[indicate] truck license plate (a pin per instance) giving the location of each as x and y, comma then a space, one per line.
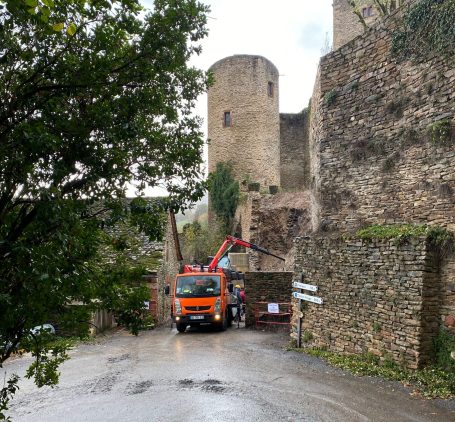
197, 317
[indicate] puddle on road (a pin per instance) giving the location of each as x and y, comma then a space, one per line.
210, 385
139, 387
120, 358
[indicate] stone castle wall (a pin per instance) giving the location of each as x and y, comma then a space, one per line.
251, 143
378, 163
378, 296
294, 165
374, 161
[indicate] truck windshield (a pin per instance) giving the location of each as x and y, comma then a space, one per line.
198, 286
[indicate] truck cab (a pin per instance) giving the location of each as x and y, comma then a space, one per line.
201, 298
202, 294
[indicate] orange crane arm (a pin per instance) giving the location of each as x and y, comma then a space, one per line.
231, 241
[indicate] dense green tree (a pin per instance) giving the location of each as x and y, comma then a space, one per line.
224, 193
94, 94
200, 242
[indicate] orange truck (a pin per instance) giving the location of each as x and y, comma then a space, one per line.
203, 294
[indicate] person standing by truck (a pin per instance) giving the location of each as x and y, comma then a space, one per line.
242, 295
237, 293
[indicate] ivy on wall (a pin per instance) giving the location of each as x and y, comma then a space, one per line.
427, 29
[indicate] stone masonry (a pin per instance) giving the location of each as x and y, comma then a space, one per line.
294, 163
376, 161
379, 296
346, 25
364, 156
247, 88
265, 287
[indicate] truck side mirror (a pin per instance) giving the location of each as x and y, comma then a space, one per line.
167, 289
231, 287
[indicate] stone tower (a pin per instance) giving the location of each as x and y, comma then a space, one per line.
243, 118
346, 25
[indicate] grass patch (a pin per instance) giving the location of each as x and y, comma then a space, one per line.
392, 231
431, 382
439, 238
307, 336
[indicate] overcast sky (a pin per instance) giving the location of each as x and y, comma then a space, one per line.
290, 33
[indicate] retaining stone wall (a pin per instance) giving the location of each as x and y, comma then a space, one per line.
379, 297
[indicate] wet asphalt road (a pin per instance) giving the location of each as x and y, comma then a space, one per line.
238, 375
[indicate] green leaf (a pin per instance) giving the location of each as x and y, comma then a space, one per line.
57, 27
45, 11
32, 11
71, 30
31, 3
49, 3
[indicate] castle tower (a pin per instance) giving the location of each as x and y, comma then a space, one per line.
346, 25
243, 118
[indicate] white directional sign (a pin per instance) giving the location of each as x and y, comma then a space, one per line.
308, 298
304, 286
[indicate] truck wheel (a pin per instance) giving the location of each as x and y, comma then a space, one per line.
224, 323
181, 327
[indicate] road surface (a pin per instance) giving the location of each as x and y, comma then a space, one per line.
237, 375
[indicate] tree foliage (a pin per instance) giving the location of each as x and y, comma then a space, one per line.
200, 242
93, 96
224, 194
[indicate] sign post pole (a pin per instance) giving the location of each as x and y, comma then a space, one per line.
301, 296
299, 326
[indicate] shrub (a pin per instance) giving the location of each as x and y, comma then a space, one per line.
330, 97
440, 132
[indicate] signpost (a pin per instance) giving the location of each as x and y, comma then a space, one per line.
302, 296
304, 286
308, 298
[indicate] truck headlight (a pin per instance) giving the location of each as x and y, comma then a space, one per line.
218, 305
178, 307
